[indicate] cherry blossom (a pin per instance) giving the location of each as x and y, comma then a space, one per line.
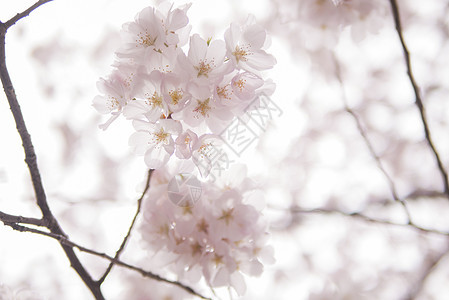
205, 60
155, 141
150, 103
184, 144
118, 89
245, 46
200, 88
219, 238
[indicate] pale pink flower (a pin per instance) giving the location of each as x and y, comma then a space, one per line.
175, 92
245, 85
184, 144
143, 38
154, 141
151, 102
205, 61
205, 151
117, 90
220, 238
175, 23
245, 47
202, 108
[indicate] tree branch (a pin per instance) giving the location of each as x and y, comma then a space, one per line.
418, 101
366, 218
122, 246
368, 143
65, 242
25, 13
31, 160
7, 218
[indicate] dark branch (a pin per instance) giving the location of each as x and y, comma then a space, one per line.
31, 160
418, 101
23, 14
125, 240
366, 218
69, 244
7, 218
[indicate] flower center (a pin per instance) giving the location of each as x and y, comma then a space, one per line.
161, 136
175, 95
227, 215
154, 100
223, 92
204, 68
113, 103
240, 84
240, 53
203, 107
145, 39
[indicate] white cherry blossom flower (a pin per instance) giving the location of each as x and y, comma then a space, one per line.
205, 61
117, 90
184, 144
175, 23
204, 151
175, 92
151, 104
202, 108
144, 37
245, 47
220, 238
154, 141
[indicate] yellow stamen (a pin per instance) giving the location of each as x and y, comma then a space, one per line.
203, 226
223, 92
240, 53
145, 39
240, 84
175, 95
204, 68
154, 100
161, 136
203, 107
227, 215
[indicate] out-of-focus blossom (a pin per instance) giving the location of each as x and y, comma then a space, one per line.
220, 237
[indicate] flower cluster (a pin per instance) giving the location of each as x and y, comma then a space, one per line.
318, 23
219, 238
179, 101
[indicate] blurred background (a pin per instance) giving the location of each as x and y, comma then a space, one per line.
348, 142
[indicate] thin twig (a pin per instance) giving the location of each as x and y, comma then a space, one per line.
25, 13
418, 101
7, 218
125, 240
63, 240
368, 143
366, 218
30, 156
